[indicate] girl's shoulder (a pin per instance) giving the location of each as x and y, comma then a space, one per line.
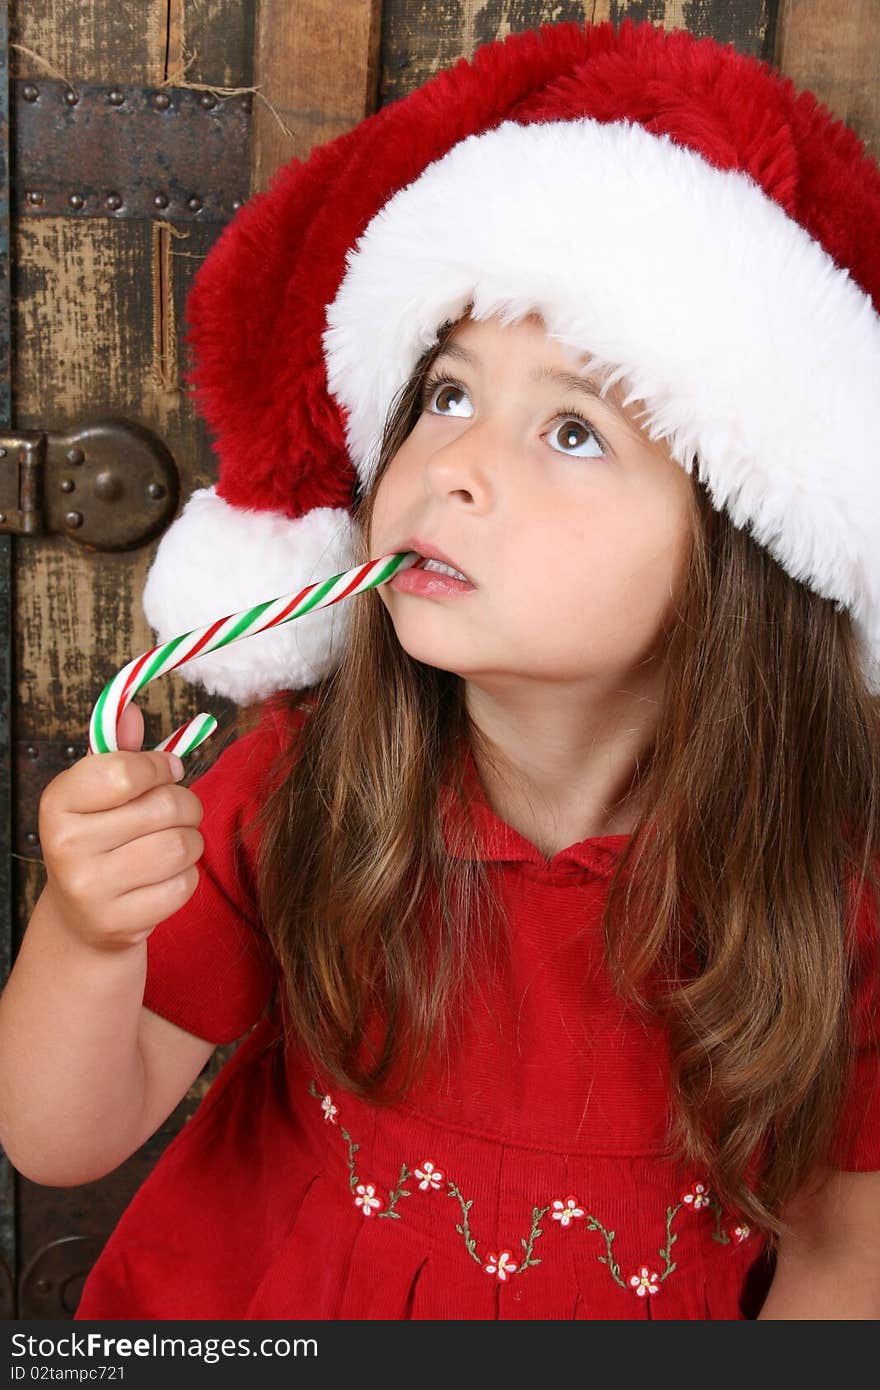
281, 717
245, 764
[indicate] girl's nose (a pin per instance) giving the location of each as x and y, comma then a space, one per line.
469, 461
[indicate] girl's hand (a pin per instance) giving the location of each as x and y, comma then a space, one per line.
119, 841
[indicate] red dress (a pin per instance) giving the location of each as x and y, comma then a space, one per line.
525, 1177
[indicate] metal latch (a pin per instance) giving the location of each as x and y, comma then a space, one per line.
110, 485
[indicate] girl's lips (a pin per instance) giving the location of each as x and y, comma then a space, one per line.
429, 583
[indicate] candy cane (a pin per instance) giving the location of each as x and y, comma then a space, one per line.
150, 665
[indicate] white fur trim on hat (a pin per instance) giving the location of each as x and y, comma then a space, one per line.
751, 349
217, 559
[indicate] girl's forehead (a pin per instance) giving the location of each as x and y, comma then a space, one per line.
546, 346
531, 326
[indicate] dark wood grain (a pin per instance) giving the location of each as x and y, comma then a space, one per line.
317, 63
419, 37
835, 51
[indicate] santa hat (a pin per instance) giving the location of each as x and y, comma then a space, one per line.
672, 208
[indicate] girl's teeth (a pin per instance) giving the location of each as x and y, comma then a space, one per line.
443, 569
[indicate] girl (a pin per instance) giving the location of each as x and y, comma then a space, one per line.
544, 900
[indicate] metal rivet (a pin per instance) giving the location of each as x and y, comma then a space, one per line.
246, 102
32, 838
67, 485
194, 204
32, 752
116, 98
160, 200
113, 200
156, 490
35, 200
237, 203
109, 486
70, 751
76, 200
161, 101
30, 92
71, 97
2, 518
74, 456
2, 453
74, 520
208, 101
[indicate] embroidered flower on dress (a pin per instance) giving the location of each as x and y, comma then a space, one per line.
740, 1233
367, 1198
500, 1265
329, 1109
567, 1211
643, 1282
698, 1198
429, 1176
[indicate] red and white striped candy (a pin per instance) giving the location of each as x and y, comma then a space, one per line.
234, 628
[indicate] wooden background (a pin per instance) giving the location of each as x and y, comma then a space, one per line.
98, 312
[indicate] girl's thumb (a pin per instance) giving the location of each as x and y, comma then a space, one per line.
130, 729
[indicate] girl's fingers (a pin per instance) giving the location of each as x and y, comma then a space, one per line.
151, 905
152, 859
103, 781
130, 729
160, 808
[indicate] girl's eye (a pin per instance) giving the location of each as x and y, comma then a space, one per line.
572, 427
431, 386
574, 431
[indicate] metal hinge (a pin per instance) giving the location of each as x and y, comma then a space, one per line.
109, 485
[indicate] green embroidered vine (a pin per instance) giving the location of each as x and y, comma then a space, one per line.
352, 1150
721, 1236
533, 1236
399, 1191
614, 1268
670, 1241
464, 1230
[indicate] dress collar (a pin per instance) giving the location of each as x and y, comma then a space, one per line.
496, 841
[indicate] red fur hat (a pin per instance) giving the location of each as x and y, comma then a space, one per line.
671, 207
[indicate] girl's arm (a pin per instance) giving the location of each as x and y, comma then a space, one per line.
87, 1074
829, 1266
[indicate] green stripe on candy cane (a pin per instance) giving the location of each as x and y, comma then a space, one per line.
221, 633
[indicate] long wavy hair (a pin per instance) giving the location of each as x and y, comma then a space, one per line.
726, 914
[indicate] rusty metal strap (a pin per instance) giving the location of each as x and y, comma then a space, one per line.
174, 153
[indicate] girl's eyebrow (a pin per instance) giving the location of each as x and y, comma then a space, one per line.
565, 379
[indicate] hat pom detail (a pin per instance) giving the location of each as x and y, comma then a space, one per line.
217, 559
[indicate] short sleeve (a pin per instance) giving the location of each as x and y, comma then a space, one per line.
209, 968
856, 1146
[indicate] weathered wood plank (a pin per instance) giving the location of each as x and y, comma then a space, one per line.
835, 51
93, 40
317, 63
216, 39
418, 39
192, 40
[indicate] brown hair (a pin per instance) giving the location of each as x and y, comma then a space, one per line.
767, 752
